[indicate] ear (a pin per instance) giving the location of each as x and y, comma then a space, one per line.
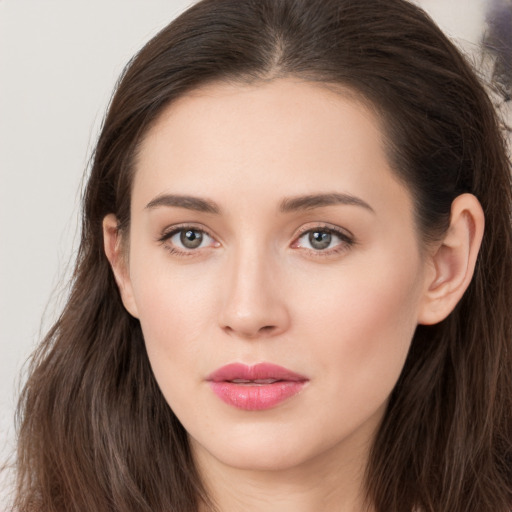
119, 262
453, 261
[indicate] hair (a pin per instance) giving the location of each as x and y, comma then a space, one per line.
95, 432
497, 41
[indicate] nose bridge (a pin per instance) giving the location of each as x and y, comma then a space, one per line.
253, 305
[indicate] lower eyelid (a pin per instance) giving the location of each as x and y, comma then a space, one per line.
177, 249
346, 240
345, 243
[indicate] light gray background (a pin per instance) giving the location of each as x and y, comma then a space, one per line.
59, 61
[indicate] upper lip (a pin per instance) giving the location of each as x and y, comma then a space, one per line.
258, 372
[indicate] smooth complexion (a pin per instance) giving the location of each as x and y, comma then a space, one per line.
268, 227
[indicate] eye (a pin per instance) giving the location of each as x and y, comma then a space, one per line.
187, 239
323, 239
319, 240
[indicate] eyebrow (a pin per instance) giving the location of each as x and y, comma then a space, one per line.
289, 204
312, 201
188, 202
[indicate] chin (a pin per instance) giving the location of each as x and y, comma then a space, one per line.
256, 458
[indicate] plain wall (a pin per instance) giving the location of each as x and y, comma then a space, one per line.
59, 61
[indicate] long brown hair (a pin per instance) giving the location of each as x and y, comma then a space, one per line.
95, 433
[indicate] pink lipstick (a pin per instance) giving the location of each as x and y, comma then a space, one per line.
255, 388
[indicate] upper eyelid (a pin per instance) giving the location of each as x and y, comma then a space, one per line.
171, 231
347, 240
343, 232
176, 228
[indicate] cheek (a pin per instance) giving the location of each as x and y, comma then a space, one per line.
168, 307
362, 331
175, 309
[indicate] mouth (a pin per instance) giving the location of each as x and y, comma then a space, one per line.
255, 382
255, 388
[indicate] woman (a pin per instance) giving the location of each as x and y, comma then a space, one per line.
284, 297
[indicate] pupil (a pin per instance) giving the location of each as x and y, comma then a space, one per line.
320, 239
191, 239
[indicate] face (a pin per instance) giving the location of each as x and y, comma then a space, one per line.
275, 268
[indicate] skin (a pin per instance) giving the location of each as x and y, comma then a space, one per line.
256, 290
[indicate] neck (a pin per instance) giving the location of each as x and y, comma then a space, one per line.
329, 482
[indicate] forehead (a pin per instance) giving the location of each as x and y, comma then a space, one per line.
261, 110
283, 137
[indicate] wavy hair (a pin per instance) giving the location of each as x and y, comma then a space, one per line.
95, 433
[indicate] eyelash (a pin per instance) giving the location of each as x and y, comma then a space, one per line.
167, 235
346, 240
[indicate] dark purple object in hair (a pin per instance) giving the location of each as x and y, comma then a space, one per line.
498, 41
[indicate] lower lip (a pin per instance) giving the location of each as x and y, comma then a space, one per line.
256, 397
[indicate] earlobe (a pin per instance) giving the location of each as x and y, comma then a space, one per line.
453, 261
114, 252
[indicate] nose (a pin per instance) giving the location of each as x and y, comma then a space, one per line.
254, 303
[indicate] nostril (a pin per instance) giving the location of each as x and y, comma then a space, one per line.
249, 333
248, 313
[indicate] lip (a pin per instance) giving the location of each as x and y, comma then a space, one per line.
255, 388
